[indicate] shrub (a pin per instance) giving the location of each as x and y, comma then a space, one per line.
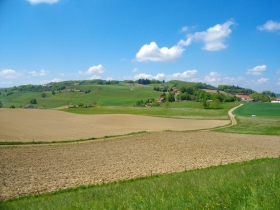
1, 105
44, 95
12, 107
33, 101
80, 104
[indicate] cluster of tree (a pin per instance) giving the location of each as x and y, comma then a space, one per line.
147, 81
260, 97
216, 104
10, 93
87, 91
269, 93
235, 89
162, 88
1, 104
179, 84
150, 102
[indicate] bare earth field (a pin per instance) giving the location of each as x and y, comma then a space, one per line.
52, 125
44, 168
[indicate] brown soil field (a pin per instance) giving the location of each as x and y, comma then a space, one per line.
52, 125
44, 168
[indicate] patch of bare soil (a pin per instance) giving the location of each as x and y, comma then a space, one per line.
53, 125
35, 169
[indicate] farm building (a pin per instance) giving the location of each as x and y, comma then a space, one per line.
29, 106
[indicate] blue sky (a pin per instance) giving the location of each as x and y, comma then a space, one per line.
214, 42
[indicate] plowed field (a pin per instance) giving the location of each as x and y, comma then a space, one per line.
53, 125
44, 168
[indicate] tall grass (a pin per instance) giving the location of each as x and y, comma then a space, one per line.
249, 185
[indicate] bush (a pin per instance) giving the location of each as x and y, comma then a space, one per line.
1, 105
44, 95
33, 101
12, 107
80, 104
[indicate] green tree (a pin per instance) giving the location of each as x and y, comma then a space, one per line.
53, 92
170, 97
1, 105
80, 104
44, 95
206, 104
33, 101
12, 107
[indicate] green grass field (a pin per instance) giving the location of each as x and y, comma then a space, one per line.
259, 109
247, 185
266, 121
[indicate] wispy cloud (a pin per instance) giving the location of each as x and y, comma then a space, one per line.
151, 52
95, 77
213, 38
40, 73
212, 77
270, 26
257, 70
93, 70
42, 1
135, 70
278, 71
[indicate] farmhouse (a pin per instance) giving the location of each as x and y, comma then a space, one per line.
29, 106
160, 100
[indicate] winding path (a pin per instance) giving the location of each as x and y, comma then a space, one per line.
231, 116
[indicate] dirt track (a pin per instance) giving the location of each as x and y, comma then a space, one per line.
53, 125
33, 169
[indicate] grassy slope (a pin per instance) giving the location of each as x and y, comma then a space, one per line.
109, 95
266, 121
248, 185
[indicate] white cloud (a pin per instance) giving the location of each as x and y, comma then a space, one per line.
269, 26
263, 80
160, 76
213, 37
109, 79
278, 71
95, 77
257, 70
40, 73
185, 74
151, 52
278, 82
6, 82
135, 70
213, 77
48, 81
9, 73
62, 74
42, 1
93, 70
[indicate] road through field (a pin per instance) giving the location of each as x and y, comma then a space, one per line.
52, 125
45, 168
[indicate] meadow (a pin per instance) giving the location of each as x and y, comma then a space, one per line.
248, 185
265, 119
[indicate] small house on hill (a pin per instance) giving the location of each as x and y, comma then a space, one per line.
29, 106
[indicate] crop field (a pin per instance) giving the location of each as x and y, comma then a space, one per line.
36, 169
23, 125
259, 109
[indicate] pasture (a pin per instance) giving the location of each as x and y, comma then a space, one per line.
266, 121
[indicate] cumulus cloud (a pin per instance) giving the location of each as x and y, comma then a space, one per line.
42, 1
263, 80
93, 70
135, 70
95, 77
151, 52
9, 74
269, 26
213, 37
257, 70
40, 73
143, 76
